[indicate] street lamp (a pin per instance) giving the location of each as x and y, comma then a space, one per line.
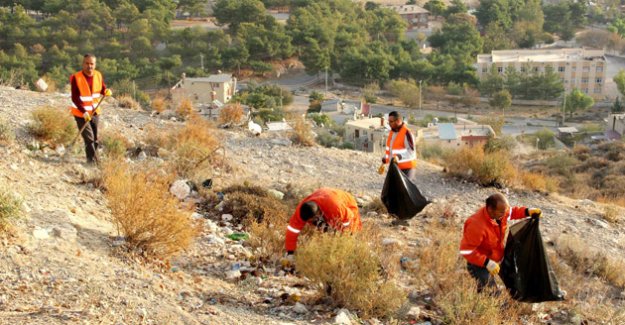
537, 141
420, 81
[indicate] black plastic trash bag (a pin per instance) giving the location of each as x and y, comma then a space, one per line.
525, 269
400, 195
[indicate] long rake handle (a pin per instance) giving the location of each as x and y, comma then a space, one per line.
85, 125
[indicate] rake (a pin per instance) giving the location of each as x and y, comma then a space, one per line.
70, 147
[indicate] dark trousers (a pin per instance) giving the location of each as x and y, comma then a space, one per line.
484, 279
411, 173
90, 137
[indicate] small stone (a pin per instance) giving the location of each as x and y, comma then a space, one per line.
226, 217
342, 318
141, 312
233, 275
390, 241
41, 233
275, 193
180, 189
214, 239
14, 167
299, 308
65, 231
414, 312
142, 156
372, 214
197, 216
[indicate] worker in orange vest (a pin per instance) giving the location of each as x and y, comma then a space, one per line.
484, 234
326, 209
400, 145
87, 90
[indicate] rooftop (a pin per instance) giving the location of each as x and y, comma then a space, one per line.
542, 55
224, 77
408, 9
365, 123
449, 131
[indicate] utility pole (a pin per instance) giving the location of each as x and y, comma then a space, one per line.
134, 90
202, 61
564, 108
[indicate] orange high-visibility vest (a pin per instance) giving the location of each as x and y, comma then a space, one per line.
88, 97
408, 159
483, 238
339, 208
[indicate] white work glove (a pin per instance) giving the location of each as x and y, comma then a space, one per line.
492, 267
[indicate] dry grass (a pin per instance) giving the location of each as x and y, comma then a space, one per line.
10, 207
302, 133
264, 217
349, 269
539, 182
145, 212
443, 272
159, 104
6, 132
591, 262
484, 168
115, 144
53, 126
612, 214
185, 109
194, 146
125, 101
231, 114
376, 205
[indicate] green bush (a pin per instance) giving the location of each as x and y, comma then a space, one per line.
321, 119
505, 143
328, 140
546, 139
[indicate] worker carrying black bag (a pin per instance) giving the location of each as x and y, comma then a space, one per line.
400, 195
525, 269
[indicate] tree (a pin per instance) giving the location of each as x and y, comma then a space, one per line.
577, 100
618, 107
501, 100
492, 83
406, 90
495, 38
235, 12
498, 11
458, 37
436, 7
457, 7
619, 80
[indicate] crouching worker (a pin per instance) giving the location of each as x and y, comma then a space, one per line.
326, 209
484, 237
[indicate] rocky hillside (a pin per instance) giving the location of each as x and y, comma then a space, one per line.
62, 264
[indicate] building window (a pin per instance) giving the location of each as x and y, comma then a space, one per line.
574, 69
357, 134
584, 80
585, 69
500, 69
585, 90
535, 69
561, 69
523, 69
597, 90
599, 80
599, 69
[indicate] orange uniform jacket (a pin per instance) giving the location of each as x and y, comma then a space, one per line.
483, 237
399, 146
339, 209
89, 97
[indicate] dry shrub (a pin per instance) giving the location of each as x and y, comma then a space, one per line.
582, 152
590, 261
53, 126
302, 133
115, 144
443, 272
231, 114
145, 212
376, 205
125, 101
185, 109
347, 267
10, 207
193, 145
539, 182
159, 104
6, 132
264, 217
612, 214
487, 169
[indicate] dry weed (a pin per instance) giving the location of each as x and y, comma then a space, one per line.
231, 114
592, 262
6, 132
194, 146
53, 126
145, 212
376, 205
159, 104
115, 144
125, 101
10, 207
185, 109
539, 182
348, 268
487, 169
612, 214
302, 133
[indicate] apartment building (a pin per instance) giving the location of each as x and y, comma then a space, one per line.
580, 68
